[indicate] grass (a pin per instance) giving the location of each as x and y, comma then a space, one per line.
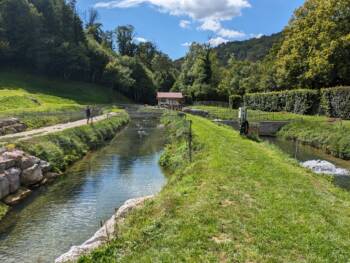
39, 101
62, 149
332, 138
3, 210
239, 201
254, 115
317, 131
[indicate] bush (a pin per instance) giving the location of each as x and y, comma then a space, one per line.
335, 102
296, 101
235, 101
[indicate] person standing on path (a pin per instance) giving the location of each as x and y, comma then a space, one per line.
88, 114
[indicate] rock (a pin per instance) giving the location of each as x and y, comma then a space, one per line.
28, 161
51, 175
4, 186
13, 177
15, 155
19, 127
6, 163
31, 176
103, 234
45, 166
17, 197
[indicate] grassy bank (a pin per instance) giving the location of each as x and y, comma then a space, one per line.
317, 131
62, 149
255, 115
40, 101
333, 138
239, 201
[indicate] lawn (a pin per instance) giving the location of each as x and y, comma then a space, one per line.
39, 101
238, 201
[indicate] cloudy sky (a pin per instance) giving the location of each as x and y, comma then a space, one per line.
174, 24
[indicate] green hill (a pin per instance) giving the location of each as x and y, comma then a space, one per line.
252, 50
40, 101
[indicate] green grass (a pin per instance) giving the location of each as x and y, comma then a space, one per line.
64, 148
254, 115
239, 201
317, 131
39, 101
3, 210
332, 138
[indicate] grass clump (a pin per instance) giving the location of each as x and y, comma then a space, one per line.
64, 148
238, 201
3, 210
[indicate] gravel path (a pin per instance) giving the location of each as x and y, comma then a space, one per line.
52, 129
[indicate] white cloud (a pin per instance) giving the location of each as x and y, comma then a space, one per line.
186, 44
196, 9
141, 39
209, 13
185, 23
217, 41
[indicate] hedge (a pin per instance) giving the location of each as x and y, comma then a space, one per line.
335, 102
297, 101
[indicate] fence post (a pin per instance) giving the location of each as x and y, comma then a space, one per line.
190, 141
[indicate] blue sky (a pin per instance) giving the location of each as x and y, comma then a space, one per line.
173, 24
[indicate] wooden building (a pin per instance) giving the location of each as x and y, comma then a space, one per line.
170, 100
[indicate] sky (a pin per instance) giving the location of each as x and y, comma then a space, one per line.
174, 24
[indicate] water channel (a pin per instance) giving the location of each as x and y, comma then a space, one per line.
69, 211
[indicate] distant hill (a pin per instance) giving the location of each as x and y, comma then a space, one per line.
252, 50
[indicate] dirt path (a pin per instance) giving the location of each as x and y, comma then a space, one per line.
52, 129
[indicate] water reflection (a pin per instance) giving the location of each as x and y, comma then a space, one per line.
69, 211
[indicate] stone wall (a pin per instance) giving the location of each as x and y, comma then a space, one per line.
20, 173
11, 125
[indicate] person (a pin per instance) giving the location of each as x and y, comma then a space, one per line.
88, 114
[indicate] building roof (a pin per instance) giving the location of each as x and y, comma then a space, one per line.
169, 95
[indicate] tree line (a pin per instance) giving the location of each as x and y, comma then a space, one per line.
50, 38
313, 52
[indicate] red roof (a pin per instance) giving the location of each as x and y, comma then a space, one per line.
169, 95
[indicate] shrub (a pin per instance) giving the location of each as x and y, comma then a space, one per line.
235, 101
335, 102
296, 101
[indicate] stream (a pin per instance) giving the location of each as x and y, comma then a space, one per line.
69, 211
308, 154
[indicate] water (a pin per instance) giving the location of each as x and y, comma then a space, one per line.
69, 211
309, 156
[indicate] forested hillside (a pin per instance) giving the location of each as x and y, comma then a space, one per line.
49, 38
313, 52
253, 50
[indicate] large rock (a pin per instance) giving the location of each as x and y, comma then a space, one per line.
32, 175
104, 234
4, 186
28, 161
17, 197
6, 164
13, 177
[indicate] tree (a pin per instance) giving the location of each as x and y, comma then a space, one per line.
314, 52
125, 40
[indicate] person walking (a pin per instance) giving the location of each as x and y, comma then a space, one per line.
88, 114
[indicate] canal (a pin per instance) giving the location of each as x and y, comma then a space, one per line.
69, 211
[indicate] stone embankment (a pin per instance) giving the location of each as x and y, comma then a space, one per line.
11, 126
20, 173
104, 234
